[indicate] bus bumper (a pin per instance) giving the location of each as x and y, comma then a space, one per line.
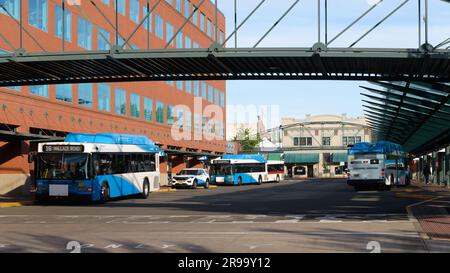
78, 197
368, 182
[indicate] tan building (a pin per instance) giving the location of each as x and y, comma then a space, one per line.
316, 146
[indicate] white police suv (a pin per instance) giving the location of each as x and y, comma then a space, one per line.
191, 178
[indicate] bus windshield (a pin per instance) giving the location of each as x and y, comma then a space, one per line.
221, 169
63, 166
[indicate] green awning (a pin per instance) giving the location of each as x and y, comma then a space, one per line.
274, 156
339, 157
295, 158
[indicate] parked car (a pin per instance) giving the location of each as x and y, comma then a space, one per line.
191, 178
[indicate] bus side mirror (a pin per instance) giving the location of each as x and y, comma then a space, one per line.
31, 156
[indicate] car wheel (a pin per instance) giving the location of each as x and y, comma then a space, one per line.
104, 193
145, 189
240, 181
194, 184
206, 184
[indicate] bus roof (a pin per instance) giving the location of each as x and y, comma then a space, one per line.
380, 147
109, 138
258, 158
106, 142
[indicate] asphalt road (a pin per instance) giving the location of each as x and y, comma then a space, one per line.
292, 216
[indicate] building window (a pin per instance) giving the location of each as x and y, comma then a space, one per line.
350, 140
326, 141
159, 25
121, 101
134, 11
84, 34
187, 42
148, 24
64, 92
148, 109
39, 90
221, 37
188, 87
170, 114
178, 6
121, 6
13, 7
169, 33
216, 96
180, 40
209, 28
210, 94
187, 8
160, 112
85, 94
196, 88
38, 13
204, 91
179, 85
103, 39
195, 16
135, 105
104, 97
197, 124
302, 141
222, 99
59, 23
202, 22
196, 45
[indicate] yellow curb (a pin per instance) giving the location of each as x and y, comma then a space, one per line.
14, 204
165, 190
213, 186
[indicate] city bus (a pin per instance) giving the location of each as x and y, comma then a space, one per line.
275, 170
382, 165
239, 170
96, 167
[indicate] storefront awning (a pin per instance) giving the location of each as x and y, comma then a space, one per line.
339, 157
295, 158
274, 156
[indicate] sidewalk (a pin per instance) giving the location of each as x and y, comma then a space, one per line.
433, 212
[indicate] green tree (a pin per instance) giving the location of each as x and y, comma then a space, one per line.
247, 142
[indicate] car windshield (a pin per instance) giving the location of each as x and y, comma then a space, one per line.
189, 172
63, 166
221, 169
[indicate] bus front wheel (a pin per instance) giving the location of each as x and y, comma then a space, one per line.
278, 179
240, 181
259, 180
104, 192
145, 189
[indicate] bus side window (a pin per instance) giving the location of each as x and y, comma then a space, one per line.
141, 162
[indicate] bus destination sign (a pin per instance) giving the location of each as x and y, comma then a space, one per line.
63, 148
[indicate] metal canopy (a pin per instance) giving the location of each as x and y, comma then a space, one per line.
414, 114
225, 64
11, 136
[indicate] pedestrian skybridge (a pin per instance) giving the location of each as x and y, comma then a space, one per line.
225, 64
327, 56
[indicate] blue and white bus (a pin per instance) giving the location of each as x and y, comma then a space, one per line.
382, 164
97, 167
239, 170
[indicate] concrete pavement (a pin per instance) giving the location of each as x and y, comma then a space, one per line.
292, 216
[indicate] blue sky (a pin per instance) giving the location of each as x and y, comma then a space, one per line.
299, 29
